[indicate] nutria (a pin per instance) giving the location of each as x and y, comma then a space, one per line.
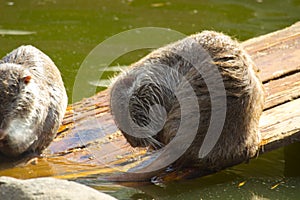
33, 101
156, 81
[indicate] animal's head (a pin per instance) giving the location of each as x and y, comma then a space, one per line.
139, 108
15, 101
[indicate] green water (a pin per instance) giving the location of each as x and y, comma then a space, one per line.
68, 30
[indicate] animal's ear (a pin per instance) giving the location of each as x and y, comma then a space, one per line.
26, 79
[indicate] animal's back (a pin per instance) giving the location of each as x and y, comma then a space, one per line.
164, 76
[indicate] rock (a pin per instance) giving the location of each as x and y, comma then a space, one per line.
47, 188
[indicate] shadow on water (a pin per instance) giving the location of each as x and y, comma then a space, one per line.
224, 185
292, 160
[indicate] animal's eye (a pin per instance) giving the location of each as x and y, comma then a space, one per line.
13, 86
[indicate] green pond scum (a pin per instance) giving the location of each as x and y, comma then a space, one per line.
67, 30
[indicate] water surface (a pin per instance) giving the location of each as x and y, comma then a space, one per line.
68, 30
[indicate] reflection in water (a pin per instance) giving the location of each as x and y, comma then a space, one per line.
27, 168
218, 186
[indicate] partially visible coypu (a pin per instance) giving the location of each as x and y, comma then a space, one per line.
161, 77
33, 101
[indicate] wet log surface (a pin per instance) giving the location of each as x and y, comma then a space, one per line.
89, 143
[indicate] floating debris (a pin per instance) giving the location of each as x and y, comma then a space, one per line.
156, 5
276, 185
15, 32
241, 184
101, 83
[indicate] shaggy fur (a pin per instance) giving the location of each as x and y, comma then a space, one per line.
157, 80
33, 101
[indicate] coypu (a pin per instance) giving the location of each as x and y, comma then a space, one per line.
137, 95
33, 101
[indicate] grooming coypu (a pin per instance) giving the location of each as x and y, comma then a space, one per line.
33, 101
160, 80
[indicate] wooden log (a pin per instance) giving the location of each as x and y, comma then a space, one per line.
276, 54
89, 143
